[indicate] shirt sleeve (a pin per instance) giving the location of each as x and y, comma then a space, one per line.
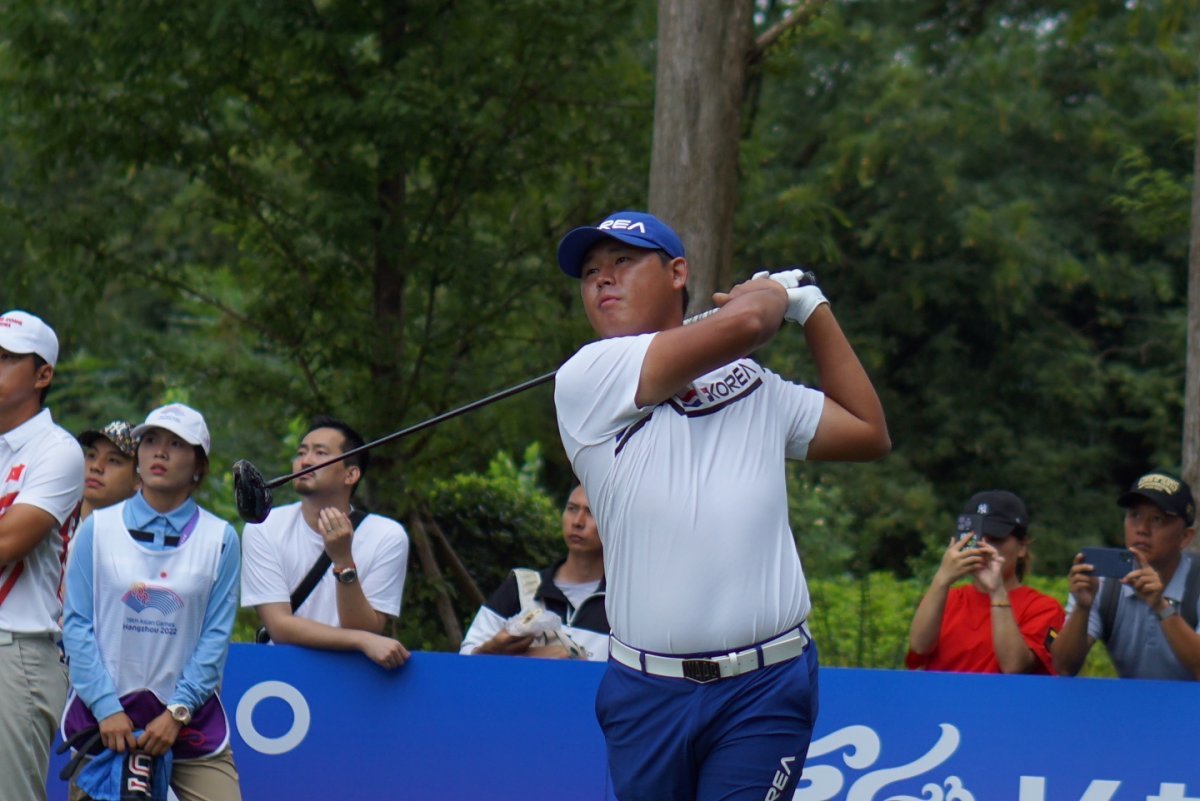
1041, 616
54, 480
485, 626
594, 391
801, 408
263, 581
202, 673
383, 579
88, 675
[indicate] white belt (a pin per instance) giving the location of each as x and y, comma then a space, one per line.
704, 669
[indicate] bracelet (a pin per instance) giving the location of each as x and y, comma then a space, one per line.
1000, 603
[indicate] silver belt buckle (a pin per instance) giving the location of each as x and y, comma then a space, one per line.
701, 671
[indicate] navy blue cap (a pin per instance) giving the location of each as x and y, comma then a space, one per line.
1003, 512
635, 228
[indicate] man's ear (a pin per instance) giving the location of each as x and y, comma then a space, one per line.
1188, 534
679, 272
353, 474
43, 377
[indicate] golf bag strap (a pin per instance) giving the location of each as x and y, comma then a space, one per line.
305, 588
1191, 593
1110, 593
528, 582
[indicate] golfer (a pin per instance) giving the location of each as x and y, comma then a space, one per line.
679, 439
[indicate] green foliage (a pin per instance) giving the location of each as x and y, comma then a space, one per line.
280, 209
994, 198
494, 522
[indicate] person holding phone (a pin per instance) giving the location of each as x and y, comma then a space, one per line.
1148, 617
995, 624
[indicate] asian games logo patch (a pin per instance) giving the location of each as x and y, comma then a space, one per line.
142, 596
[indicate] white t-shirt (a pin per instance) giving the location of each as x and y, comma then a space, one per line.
689, 497
40, 465
278, 553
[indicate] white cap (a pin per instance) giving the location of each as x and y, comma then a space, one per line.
183, 421
21, 332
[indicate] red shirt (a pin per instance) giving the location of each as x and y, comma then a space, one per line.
965, 642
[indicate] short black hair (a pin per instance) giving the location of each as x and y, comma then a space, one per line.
666, 259
38, 364
351, 439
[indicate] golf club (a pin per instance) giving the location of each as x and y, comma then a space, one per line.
252, 493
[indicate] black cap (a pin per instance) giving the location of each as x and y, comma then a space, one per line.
1166, 492
1002, 512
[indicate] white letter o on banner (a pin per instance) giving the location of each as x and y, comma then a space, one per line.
301, 718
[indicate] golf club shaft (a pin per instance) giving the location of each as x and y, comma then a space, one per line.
444, 416
432, 421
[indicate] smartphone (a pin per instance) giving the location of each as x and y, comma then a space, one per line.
1111, 562
970, 528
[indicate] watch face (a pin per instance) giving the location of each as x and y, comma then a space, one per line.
347, 576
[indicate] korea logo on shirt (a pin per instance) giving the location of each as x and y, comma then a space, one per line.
715, 391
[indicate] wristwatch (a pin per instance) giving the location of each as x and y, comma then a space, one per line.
180, 713
345, 575
1170, 610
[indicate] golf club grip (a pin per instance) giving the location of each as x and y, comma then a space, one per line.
809, 279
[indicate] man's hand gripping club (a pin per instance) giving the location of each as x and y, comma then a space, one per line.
804, 296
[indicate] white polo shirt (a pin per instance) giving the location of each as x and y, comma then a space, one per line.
689, 497
40, 465
278, 553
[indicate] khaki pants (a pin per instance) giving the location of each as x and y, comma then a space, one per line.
213, 778
33, 691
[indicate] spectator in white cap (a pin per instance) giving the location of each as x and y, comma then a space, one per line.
150, 604
41, 482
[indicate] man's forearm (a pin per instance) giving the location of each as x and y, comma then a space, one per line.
841, 374
293, 630
356, 612
1070, 648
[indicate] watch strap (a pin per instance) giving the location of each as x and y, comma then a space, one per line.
1168, 611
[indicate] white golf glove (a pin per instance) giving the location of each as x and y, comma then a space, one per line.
802, 300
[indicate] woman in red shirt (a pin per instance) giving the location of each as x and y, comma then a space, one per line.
994, 624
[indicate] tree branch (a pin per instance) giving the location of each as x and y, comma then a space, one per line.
800, 14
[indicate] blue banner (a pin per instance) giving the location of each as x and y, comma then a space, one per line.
313, 725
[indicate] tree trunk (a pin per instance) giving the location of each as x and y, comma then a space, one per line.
1191, 395
424, 549
703, 46
384, 403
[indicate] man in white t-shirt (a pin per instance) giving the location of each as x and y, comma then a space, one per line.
360, 589
41, 483
680, 439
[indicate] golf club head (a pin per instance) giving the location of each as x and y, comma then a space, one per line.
250, 492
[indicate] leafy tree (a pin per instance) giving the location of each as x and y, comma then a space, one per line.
983, 190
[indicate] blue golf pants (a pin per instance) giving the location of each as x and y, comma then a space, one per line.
742, 738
